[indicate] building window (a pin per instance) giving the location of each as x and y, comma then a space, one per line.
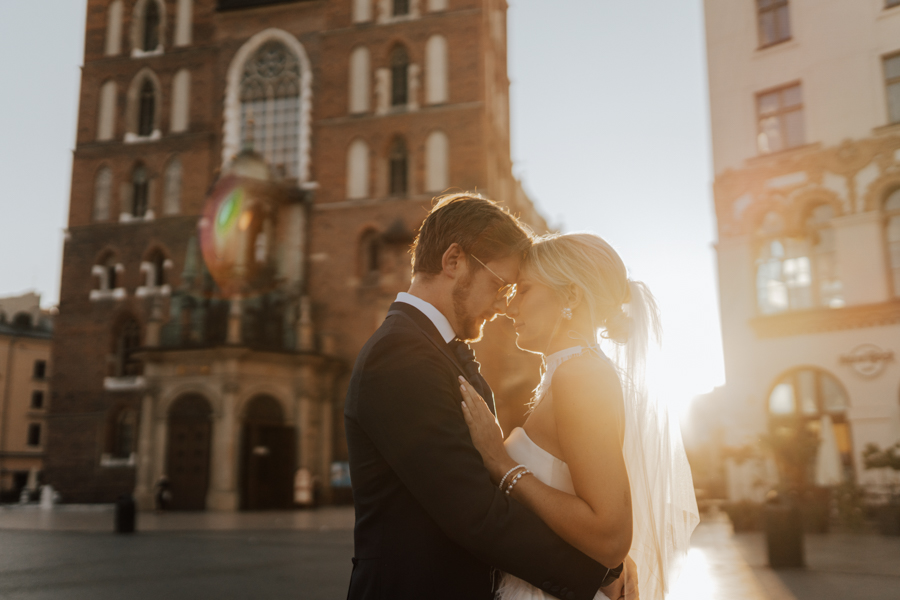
155, 268
811, 398
34, 434
370, 257
774, 21
147, 108
401, 7
106, 115
140, 188
108, 272
40, 369
398, 161
102, 194
436, 86
437, 156
151, 27
124, 433
892, 237
37, 399
184, 23
892, 85
362, 11
113, 28
358, 170
800, 271
399, 77
270, 105
780, 119
181, 101
127, 341
172, 187
360, 78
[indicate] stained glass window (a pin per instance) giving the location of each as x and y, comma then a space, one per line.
270, 106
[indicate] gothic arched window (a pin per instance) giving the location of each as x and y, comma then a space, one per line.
360, 77
102, 194
399, 76
401, 7
172, 187
892, 237
436, 70
155, 267
270, 105
370, 257
109, 273
437, 158
398, 161
147, 108
127, 341
151, 27
140, 191
358, 170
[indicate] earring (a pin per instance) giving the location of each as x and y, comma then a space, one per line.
567, 313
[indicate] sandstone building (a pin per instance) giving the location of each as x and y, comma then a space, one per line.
351, 115
805, 109
26, 334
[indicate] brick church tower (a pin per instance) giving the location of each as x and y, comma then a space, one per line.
348, 117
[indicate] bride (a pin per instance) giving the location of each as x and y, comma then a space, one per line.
597, 459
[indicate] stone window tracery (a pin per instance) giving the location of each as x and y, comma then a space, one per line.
270, 105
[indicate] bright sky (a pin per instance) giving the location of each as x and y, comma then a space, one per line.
610, 134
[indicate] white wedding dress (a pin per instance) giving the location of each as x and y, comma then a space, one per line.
547, 468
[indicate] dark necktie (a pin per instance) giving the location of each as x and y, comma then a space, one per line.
466, 357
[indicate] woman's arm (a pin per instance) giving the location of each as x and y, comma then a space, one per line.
587, 404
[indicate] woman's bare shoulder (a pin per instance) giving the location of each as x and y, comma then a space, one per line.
587, 378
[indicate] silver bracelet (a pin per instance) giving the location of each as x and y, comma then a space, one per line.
510, 471
515, 480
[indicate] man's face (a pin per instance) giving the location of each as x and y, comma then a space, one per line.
475, 296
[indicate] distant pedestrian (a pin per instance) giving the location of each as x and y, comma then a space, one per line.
163, 494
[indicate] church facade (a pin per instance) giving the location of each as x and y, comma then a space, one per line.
336, 123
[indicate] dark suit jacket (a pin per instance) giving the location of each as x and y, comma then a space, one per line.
429, 522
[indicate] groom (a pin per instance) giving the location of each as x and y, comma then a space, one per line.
430, 525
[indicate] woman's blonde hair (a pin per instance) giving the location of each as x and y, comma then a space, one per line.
589, 262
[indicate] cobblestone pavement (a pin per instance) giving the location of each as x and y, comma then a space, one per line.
70, 553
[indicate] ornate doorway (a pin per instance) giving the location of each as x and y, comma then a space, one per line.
188, 447
268, 451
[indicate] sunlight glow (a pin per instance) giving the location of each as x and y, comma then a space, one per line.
696, 581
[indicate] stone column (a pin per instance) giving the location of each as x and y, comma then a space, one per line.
223, 495
143, 491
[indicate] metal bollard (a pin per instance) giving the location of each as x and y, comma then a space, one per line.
126, 511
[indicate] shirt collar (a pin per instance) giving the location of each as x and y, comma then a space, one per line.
434, 315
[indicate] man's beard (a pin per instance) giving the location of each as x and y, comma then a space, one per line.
470, 329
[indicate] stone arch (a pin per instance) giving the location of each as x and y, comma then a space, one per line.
138, 25
881, 188
210, 394
756, 213
132, 116
231, 142
804, 201
268, 452
267, 390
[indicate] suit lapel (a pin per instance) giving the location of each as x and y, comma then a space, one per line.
427, 328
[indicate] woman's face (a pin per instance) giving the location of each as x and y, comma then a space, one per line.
536, 310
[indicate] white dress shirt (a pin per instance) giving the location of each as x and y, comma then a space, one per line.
433, 314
